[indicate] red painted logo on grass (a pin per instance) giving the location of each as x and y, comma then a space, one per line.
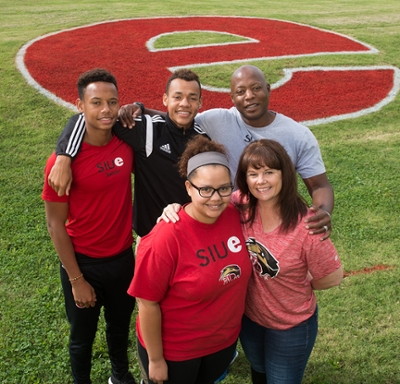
313, 95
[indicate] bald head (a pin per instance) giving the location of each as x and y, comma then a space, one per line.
247, 71
250, 94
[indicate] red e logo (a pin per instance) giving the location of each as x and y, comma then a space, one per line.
127, 48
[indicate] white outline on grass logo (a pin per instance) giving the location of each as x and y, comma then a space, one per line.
43, 59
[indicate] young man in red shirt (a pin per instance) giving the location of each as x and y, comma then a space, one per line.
91, 232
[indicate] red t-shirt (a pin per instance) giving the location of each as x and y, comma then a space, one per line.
198, 273
100, 200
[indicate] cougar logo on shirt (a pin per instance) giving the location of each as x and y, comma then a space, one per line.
230, 273
263, 261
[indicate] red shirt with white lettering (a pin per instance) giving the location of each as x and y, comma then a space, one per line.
198, 273
100, 200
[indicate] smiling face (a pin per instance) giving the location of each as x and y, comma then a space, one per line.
264, 183
207, 210
250, 93
100, 106
183, 101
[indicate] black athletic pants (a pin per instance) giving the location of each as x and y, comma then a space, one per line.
110, 277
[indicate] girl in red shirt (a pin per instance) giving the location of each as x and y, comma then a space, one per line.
191, 278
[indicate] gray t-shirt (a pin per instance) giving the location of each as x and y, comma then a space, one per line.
227, 127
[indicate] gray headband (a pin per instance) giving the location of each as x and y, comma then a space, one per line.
206, 158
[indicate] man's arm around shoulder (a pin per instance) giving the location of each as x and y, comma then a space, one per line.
321, 192
68, 146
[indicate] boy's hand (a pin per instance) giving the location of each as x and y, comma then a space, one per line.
60, 177
84, 294
127, 113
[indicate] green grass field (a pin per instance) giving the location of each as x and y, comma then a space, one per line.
359, 321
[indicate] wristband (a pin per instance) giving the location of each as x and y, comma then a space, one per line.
141, 105
328, 214
76, 278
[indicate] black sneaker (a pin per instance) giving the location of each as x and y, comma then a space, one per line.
127, 379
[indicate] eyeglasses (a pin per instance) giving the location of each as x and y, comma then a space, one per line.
208, 192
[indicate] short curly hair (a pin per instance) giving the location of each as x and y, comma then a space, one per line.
184, 74
93, 76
